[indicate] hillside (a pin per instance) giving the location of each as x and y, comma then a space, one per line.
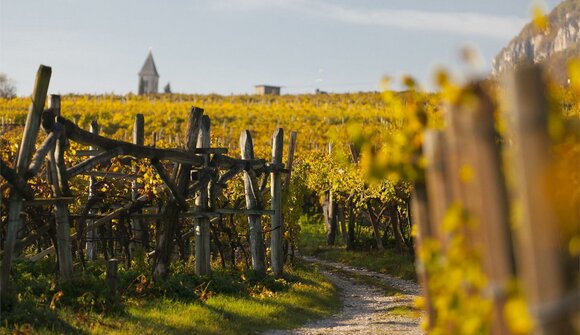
553, 47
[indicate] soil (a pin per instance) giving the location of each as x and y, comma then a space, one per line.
373, 303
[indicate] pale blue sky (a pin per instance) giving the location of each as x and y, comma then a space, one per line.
227, 46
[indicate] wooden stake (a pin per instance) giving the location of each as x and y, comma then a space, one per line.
202, 236
137, 225
92, 234
539, 249
277, 254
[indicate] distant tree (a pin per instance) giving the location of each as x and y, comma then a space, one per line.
7, 87
141, 87
167, 88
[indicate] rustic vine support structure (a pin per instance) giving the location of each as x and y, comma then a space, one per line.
198, 171
24, 154
277, 253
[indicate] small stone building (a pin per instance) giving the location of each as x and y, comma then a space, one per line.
267, 90
148, 77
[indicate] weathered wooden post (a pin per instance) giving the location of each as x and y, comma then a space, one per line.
112, 279
202, 236
24, 155
491, 199
277, 254
330, 213
60, 189
91, 244
539, 248
286, 184
254, 200
137, 225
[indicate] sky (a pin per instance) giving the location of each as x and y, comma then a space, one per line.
228, 46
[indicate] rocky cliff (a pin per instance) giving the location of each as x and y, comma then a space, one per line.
552, 46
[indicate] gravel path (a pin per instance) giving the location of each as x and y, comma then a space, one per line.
366, 308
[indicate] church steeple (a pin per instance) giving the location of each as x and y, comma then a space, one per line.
148, 76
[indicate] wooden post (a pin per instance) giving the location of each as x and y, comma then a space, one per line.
290, 160
491, 199
539, 249
60, 189
112, 279
277, 254
137, 225
330, 213
91, 244
253, 201
24, 155
202, 236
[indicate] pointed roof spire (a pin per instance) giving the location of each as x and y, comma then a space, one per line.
149, 68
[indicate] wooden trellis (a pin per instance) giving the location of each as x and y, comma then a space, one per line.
199, 171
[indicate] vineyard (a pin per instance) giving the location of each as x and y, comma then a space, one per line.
479, 183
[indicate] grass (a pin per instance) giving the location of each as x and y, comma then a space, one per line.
313, 243
228, 302
408, 311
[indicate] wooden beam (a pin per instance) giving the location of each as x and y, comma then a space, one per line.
93, 161
42, 151
49, 201
139, 151
169, 184
114, 175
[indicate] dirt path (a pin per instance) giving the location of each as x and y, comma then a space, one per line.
368, 308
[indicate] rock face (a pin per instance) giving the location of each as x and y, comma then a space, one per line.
558, 43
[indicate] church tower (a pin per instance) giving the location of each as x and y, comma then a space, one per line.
148, 77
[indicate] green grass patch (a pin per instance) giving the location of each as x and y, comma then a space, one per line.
313, 243
228, 302
408, 311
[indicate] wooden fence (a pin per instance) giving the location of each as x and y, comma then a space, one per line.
516, 232
199, 171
